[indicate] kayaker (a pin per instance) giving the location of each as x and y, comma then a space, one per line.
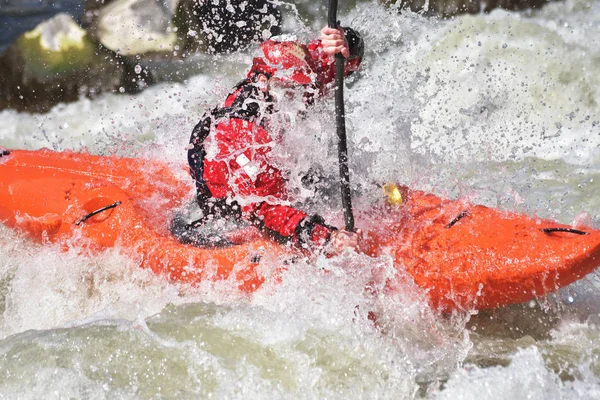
230, 146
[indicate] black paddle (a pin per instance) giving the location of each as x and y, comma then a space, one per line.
340, 119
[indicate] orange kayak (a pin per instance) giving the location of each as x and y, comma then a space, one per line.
464, 256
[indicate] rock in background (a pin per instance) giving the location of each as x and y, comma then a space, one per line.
218, 26
124, 45
135, 27
59, 61
132, 27
55, 62
91, 10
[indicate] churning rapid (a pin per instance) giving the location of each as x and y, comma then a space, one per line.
501, 108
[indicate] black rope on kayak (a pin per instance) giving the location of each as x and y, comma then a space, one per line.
196, 223
187, 233
568, 230
458, 218
98, 211
4, 152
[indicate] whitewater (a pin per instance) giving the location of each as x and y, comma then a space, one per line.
501, 108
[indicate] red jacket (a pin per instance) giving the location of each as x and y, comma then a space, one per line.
230, 154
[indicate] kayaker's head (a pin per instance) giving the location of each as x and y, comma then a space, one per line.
262, 82
285, 61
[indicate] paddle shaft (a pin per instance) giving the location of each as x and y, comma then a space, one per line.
340, 120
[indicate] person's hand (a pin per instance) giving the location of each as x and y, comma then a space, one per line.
342, 240
334, 41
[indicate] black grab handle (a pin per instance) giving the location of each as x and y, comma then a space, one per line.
98, 211
568, 230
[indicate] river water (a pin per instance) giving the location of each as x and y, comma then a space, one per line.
501, 108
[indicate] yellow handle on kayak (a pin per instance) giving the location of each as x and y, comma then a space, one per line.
392, 194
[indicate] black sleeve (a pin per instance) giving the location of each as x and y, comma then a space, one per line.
247, 105
306, 227
355, 42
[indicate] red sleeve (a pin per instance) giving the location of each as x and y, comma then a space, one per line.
324, 65
287, 224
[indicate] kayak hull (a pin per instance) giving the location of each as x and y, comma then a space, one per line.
474, 257
464, 256
45, 194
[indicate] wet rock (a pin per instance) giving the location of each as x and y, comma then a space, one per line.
91, 10
448, 8
136, 27
55, 62
130, 27
125, 40
219, 26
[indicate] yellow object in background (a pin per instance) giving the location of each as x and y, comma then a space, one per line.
393, 195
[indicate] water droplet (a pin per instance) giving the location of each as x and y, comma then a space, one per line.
138, 69
122, 89
504, 46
